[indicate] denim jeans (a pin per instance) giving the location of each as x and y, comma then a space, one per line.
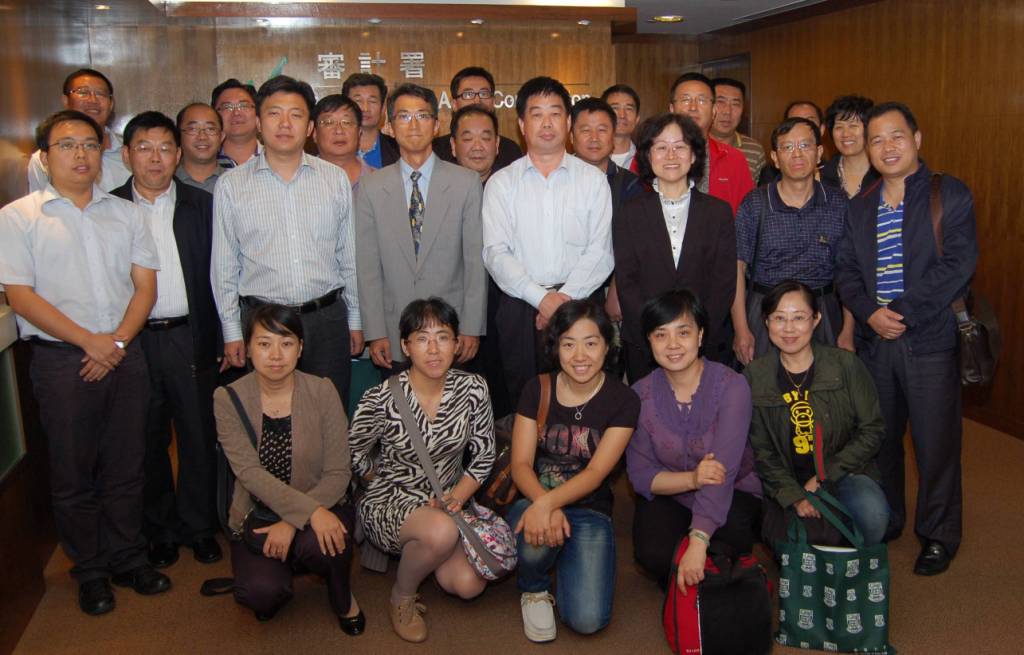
866, 501
584, 567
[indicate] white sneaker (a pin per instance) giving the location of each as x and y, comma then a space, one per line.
538, 616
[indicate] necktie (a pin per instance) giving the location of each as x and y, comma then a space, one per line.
416, 212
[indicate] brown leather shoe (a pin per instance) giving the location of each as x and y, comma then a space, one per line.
407, 619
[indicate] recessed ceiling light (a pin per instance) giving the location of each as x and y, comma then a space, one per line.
365, 34
374, 21
102, 7
458, 34
665, 19
583, 21
477, 21
555, 35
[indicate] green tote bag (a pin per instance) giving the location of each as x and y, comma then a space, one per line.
833, 599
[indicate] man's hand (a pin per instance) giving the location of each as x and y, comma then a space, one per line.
743, 345
380, 352
467, 348
886, 323
548, 305
234, 353
356, 343
92, 372
611, 303
102, 349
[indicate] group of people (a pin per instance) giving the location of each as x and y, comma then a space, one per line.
145, 270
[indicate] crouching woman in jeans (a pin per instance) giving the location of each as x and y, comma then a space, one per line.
816, 422
564, 520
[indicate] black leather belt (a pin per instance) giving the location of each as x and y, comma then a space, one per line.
158, 324
314, 305
820, 292
47, 343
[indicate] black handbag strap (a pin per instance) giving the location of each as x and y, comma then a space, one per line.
242, 416
757, 233
959, 305
416, 437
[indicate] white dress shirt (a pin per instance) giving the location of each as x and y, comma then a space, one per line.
545, 231
171, 299
79, 260
113, 172
676, 212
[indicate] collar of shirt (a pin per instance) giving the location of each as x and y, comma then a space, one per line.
612, 170
183, 175
376, 147
263, 165
50, 194
672, 201
716, 150
426, 170
169, 195
776, 204
563, 164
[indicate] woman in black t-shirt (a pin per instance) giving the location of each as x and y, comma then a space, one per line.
564, 520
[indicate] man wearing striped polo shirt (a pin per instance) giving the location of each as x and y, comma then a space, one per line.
730, 95
891, 276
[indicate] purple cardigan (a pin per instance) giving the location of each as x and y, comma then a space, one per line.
668, 438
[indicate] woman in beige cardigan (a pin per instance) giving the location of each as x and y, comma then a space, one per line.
299, 469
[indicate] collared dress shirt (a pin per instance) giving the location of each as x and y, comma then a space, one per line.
113, 172
208, 185
284, 242
545, 231
78, 260
676, 212
171, 299
426, 170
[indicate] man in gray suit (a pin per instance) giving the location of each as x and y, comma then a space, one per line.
419, 234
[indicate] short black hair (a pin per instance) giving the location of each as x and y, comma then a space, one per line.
886, 107
276, 319
692, 135
365, 79
592, 105
772, 299
333, 103
622, 88
845, 108
149, 120
471, 71
541, 86
566, 316
786, 126
86, 71
44, 128
728, 81
472, 110
415, 90
423, 312
231, 83
670, 305
810, 103
690, 77
286, 84
181, 114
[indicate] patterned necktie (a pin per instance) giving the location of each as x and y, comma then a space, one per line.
416, 212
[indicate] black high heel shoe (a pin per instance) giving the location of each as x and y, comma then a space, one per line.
353, 625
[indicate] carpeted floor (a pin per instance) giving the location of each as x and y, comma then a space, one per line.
970, 609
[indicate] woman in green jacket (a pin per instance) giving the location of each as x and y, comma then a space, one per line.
816, 422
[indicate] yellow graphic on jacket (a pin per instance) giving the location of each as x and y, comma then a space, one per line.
801, 415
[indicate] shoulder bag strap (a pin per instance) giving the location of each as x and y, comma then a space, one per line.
757, 233
544, 403
246, 423
959, 305
416, 437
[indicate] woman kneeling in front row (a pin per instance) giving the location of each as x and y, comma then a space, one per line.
816, 422
453, 412
564, 522
298, 470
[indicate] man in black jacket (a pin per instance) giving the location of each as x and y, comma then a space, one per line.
181, 342
891, 275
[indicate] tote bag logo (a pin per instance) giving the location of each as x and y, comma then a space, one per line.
830, 597
829, 568
828, 645
853, 568
879, 620
808, 591
873, 563
806, 619
875, 592
808, 565
853, 624
785, 559
783, 587
829, 624
851, 595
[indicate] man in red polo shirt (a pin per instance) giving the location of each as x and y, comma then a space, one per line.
727, 174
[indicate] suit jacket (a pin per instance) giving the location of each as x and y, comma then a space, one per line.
389, 153
644, 266
450, 264
193, 233
321, 464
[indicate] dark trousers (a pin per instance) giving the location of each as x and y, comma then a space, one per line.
95, 433
659, 524
490, 357
926, 390
521, 344
264, 585
180, 395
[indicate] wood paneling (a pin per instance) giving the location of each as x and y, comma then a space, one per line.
650, 67
954, 65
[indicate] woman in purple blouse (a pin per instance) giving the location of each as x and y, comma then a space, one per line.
689, 459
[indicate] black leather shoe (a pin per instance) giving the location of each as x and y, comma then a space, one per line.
144, 580
206, 550
933, 559
353, 625
95, 597
163, 554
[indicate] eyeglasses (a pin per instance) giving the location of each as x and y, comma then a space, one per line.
84, 93
330, 123
70, 145
483, 94
781, 320
419, 117
229, 107
803, 146
165, 149
677, 148
690, 100
195, 130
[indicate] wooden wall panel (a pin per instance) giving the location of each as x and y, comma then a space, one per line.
650, 67
954, 65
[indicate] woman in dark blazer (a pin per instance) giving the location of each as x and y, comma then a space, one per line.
673, 236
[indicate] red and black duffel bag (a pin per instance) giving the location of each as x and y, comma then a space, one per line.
729, 613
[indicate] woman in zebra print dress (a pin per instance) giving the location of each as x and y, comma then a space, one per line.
453, 411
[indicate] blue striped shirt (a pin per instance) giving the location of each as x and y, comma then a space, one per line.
889, 271
284, 242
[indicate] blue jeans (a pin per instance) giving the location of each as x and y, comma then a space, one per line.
866, 501
584, 566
